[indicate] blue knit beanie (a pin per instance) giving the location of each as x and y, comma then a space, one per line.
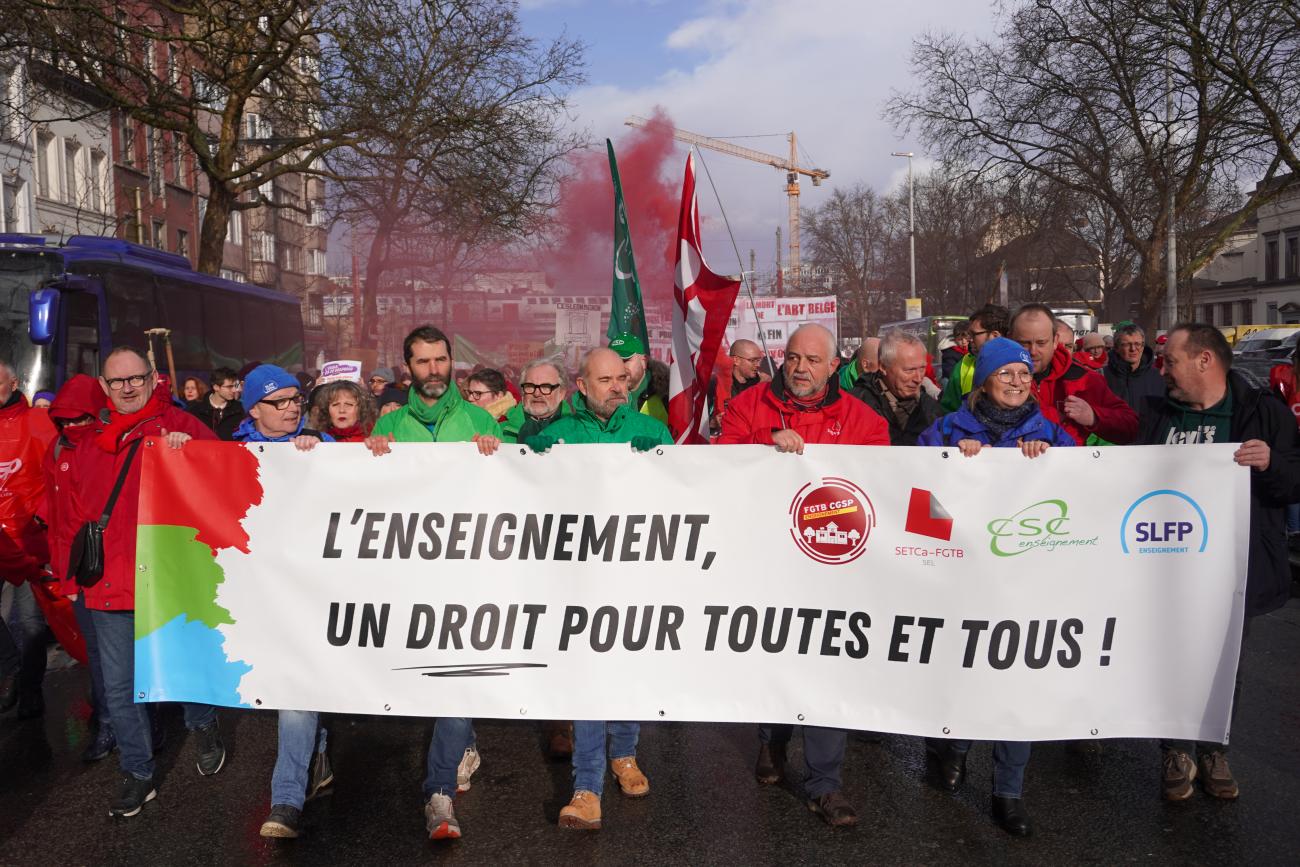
997, 354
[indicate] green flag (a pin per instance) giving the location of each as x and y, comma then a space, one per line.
626, 312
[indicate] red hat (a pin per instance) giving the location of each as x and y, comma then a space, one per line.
80, 395
1162, 339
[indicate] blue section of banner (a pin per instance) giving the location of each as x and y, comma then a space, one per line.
197, 669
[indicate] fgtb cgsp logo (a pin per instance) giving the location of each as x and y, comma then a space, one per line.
831, 521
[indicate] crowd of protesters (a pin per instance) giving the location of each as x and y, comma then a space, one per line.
1005, 381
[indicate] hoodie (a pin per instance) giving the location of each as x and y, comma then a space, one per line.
1134, 386
62, 508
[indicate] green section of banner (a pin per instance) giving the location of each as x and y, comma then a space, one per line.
627, 311
171, 551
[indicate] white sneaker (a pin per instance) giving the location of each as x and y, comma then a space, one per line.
440, 818
468, 765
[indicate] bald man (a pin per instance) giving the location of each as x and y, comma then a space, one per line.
746, 372
868, 361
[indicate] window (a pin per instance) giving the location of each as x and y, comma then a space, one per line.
181, 306
131, 307
98, 177
174, 158
316, 213
231, 274
292, 257
235, 228
71, 187
315, 261
224, 329
1271, 318
259, 335
1270, 258
183, 242
1227, 313
263, 247
44, 167
1293, 256
173, 66
256, 127
160, 234
14, 216
83, 333
128, 141
153, 146
1247, 312
7, 101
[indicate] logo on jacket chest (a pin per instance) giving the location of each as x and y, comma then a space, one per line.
8, 468
832, 520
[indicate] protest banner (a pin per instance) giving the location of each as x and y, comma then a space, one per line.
1088, 593
778, 318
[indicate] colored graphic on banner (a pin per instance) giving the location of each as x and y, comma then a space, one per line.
1164, 521
926, 516
832, 521
1041, 526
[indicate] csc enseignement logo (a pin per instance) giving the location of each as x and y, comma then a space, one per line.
832, 520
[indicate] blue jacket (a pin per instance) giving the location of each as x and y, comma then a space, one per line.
247, 432
963, 425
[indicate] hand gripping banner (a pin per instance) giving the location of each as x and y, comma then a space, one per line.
1087, 593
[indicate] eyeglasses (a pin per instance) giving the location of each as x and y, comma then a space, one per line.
478, 394
283, 403
752, 359
535, 387
973, 333
136, 381
1006, 377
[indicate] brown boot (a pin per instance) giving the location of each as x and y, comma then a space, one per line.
770, 767
1216, 776
1178, 772
834, 809
630, 779
559, 739
582, 813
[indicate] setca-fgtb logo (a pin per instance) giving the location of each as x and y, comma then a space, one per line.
832, 520
1164, 522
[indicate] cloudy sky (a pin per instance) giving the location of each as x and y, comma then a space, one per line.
725, 68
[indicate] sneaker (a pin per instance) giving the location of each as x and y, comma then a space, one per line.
440, 818
1216, 776
834, 809
582, 813
630, 779
468, 765
1178, 773
282, 823
102, 746
132, 796
321, 776
212, 754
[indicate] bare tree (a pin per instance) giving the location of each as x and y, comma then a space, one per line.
847, 236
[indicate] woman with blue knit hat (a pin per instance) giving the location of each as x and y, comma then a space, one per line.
1001, 411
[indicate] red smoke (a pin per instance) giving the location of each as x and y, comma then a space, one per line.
580, 262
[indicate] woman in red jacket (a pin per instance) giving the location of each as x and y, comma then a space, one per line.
343, 410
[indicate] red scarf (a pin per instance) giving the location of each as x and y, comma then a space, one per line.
354, 434
110, 438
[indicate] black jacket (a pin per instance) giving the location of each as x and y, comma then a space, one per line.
870, 389
1134, 387
948, 361
221, 421
1256, 415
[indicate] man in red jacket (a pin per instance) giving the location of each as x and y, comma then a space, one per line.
804, 404
1070, 395
138, 408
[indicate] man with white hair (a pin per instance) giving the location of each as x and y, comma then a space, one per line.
544, 387
895, 392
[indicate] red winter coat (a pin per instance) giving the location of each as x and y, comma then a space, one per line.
1281, 380
1085, 358
25, 433
63, 509
1116, 421
840, 419
97, 470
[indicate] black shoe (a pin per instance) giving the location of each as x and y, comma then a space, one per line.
1010, 814
31, 706
321, 777
952, 769
834, 809
770, 767
132, 796
282, 823
8, 692
102, 746
212, 755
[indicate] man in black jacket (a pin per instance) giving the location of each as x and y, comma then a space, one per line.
1208, 403
1130, 371
220, 408
894, 392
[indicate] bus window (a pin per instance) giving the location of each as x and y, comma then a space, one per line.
182, 309
225, 332
83, 333
259, 333
131, 307
288, 334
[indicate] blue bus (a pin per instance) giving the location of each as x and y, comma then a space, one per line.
64, 305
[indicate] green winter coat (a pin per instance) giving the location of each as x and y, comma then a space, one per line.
583, 427
516, 419
450, 420
959, 384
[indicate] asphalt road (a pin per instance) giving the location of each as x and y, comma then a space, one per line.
704, 806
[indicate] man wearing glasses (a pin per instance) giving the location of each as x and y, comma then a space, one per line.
220, 409
986, 323
137, 409
545, 388
746, 372
1131, 369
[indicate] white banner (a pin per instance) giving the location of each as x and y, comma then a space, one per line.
779, 317
1088, 593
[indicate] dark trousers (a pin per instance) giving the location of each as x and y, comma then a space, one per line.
823, 754
1010, 758
1192, 748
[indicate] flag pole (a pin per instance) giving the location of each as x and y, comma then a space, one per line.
746, 282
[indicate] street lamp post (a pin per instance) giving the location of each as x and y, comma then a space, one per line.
911, 216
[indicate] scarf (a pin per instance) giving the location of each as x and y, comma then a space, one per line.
999, 421
119, 424
354, 434
901, 407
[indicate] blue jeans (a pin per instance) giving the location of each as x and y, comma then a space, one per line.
301, 737
1010, 758
87, 624
823, 754
22, 640
115, 631
1293, 518
592, 740
452, 735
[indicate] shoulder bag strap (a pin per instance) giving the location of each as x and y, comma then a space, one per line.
117, 487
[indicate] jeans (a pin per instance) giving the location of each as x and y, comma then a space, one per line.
87, 624
301, 737
115, 631
1010, 758
592, 740
1293, 518
22, 640
823, 754
452, 735
1192, 748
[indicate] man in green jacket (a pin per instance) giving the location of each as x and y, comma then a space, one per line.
544, 387
601, 414
436, 413
991, 320
633, 352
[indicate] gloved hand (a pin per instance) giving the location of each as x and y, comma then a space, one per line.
644, 444
540, 443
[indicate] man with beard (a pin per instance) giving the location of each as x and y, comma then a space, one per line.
435, 412
544, 388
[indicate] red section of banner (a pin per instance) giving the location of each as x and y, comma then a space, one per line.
209, 486
703, 302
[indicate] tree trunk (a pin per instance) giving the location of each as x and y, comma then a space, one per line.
1151, 282
212, 234
376, 264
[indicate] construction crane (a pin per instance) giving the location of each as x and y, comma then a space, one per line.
790, 166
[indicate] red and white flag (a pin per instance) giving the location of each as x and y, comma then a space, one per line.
703, 305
